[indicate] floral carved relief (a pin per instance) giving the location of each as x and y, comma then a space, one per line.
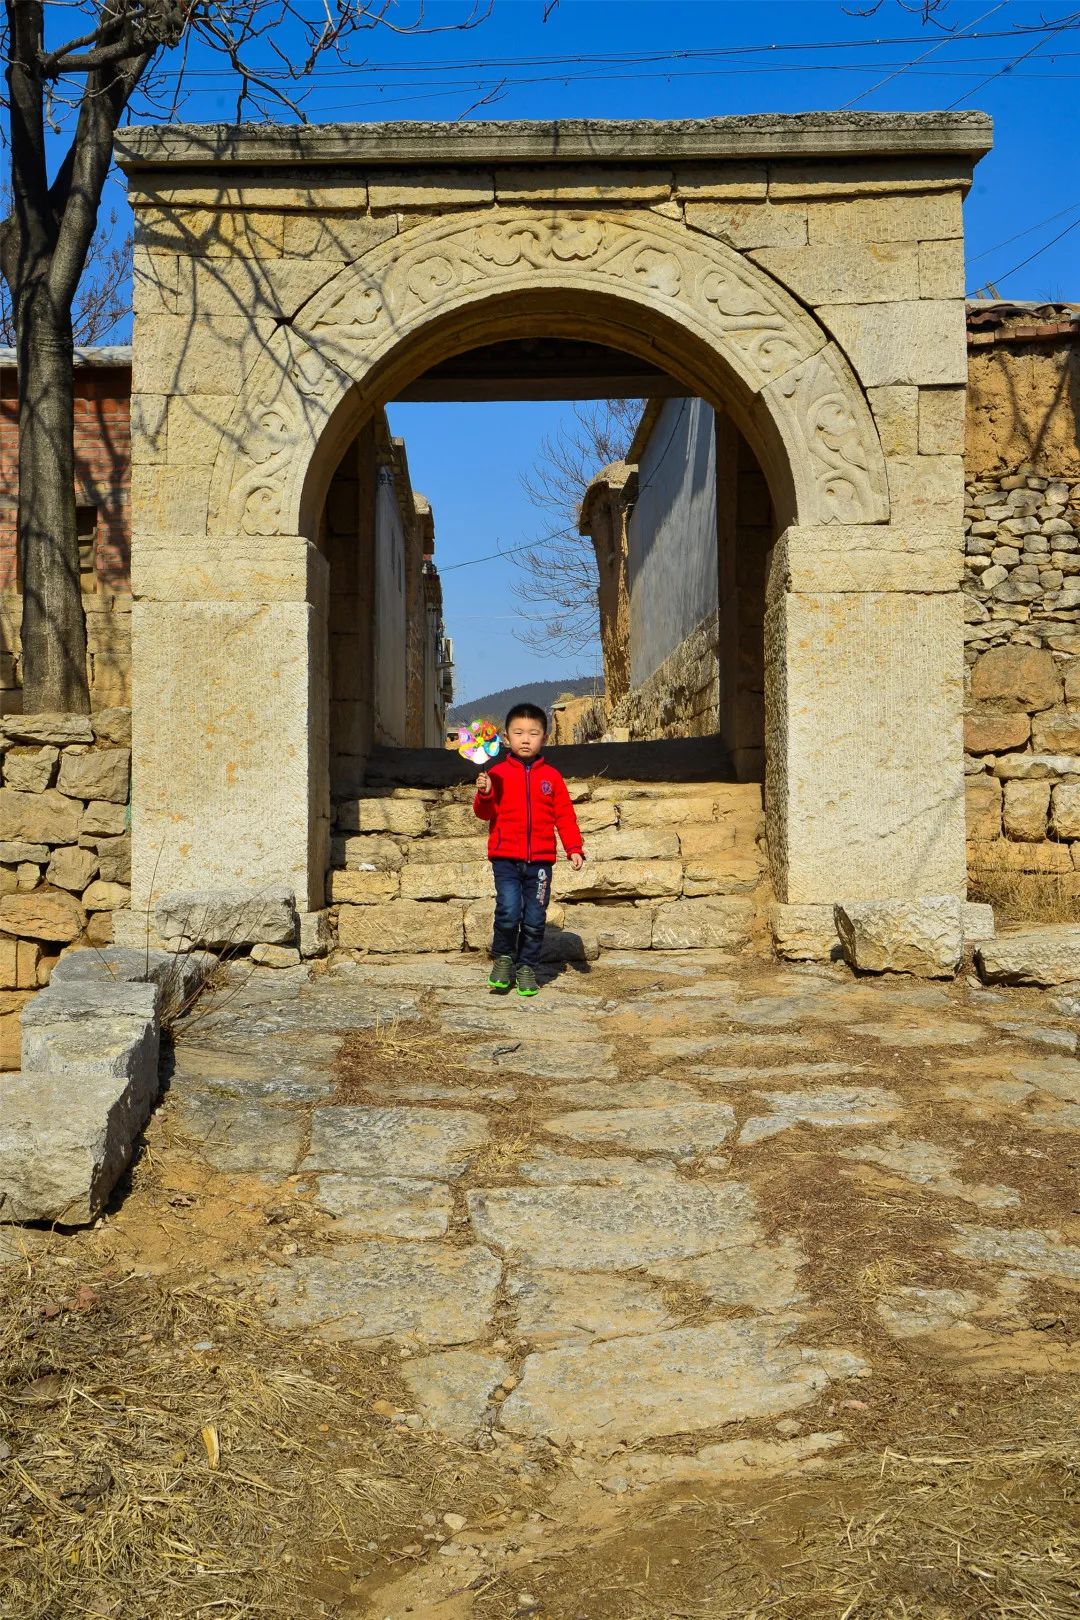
722, 302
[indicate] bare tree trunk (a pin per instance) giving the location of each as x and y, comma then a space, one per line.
53, 623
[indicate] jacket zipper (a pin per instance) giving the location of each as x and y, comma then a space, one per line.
528, 811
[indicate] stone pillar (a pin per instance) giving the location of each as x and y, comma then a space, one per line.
744, 536
230, 711
864, 692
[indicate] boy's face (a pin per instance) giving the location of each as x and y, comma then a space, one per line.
526, 738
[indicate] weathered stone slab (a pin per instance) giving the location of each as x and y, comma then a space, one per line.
101, 773
1037, 1254
621, 879
1047, 955
923, 937
1059, 1076
401, 926
180, 974
678, 1130
585, 1228
457, 880
399, 1207
72, 868
804, 933
585, 1060
65, 1141
366, 852
547, 1168
386, 1290
622, 1094
362, 888
681, 1382
924, 1164
453, 1389
30, 772
934, 1032
907, 1312
835, 1107
220, 918
234, 1134
680, 925
379, 1142
406, 818
919, 341
101, 1029
50, 914
46, 728
977, 920
760, 1276
38, 818
566, 1307
634, 844
613, 926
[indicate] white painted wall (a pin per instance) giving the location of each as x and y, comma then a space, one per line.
672, 535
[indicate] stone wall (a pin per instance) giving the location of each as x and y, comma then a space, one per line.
670, 867
1022, 595
65, 847
682, 697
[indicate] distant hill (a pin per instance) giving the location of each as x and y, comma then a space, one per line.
493, 705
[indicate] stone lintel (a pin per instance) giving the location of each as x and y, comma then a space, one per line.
557, 142
876, 558
246, 568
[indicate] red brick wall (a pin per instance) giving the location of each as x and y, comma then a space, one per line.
103, 469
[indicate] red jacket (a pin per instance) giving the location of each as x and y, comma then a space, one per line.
526, 804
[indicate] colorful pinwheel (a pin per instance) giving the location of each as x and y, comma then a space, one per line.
479, 742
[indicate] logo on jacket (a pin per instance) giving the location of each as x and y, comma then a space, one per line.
545, 787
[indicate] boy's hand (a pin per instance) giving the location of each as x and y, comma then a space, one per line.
483, 783
577, 860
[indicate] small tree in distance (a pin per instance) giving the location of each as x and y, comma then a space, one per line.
559, 566
72, 71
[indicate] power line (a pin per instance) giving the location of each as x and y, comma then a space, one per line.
1039, 43
1038, 225
1038, 251
940, 46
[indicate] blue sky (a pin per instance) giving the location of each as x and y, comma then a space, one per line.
468, 459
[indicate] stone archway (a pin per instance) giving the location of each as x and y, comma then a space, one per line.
863, 628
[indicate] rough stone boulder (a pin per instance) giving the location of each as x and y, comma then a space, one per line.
220, 918
1043, 956
924, 937
803, 933
51, 914
1016, 678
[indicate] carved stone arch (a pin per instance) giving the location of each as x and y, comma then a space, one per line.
647, 283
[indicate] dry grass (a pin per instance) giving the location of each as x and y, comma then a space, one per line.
118, 1395
390, 1052
1031, 897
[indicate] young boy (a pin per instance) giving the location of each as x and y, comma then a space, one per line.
525, 800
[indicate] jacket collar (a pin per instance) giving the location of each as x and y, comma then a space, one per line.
537, 759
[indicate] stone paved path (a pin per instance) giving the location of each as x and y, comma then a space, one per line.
572, 1215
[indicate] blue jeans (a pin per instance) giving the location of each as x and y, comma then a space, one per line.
522, 892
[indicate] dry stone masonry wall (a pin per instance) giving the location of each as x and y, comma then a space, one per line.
670, 867
65, 847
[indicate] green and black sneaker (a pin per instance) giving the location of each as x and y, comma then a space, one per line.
526, 981
501, 976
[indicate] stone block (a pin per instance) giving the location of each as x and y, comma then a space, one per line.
46, 728
51, 914
1016, 677
315, 934
634, 843
443, 851
804, 933
581, 185
680, 925
1037, 956
739, 181
15, 853
1006, 855
977, 920
995, 733
274, 287
941, 269
1065, 815
219, 918
30, 772
114, 859
406, 818
896, 416
731, 871
635, 813
1025, 810
614, 926
402, 925
918, 217
65, 1141
101, 927
449, 188
102, 895
112, 726
922, 937
101, 819
594, 818
920, 341
631, 880
455, 821
927, 493
101, 773
845, 273
219, 232
1031, 767
9, 965
457, 880
325, 239
38, 818
941, 421
363, 888
275, 956
1055, 731
72, 868
744, 225
367, 851
480, 917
